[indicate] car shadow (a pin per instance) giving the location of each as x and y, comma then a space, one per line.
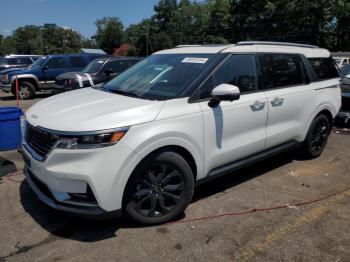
64, 225
225, 182
10, 97
6, 166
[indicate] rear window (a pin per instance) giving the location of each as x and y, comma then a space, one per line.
325, 68
16, 61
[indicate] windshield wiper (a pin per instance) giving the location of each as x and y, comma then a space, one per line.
122, 92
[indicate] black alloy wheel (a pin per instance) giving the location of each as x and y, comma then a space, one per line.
160, 189
317, 137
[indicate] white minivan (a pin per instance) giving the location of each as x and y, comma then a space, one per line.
138, 144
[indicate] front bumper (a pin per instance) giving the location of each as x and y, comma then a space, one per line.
65, 173
59, 200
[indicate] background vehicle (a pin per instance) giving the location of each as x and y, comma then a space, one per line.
344, 114
42, 73
98, 71
14, 61
182, 116
341, 58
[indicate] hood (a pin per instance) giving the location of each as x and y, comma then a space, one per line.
72, 75
3, 67
91, 109
18, 71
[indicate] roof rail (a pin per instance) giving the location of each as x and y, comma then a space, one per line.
179, 46
204, 45
275, 43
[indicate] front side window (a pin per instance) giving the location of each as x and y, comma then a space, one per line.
160, 76
3, 61
56, 62
325, 68
19, 61
116, 66
238, 70
280, 70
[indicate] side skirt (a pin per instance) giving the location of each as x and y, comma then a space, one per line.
239, 164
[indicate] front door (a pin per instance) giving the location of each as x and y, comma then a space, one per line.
54, 67
234, 130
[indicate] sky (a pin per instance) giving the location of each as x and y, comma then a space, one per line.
79, 15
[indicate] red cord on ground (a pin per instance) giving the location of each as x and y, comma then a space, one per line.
253, 210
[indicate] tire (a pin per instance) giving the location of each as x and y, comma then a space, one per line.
159, 190
26, 90
317, 137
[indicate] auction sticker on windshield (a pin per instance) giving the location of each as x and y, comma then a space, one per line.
196, 60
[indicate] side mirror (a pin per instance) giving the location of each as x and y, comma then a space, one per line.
109, 71
224, 92
45, 68
347, 76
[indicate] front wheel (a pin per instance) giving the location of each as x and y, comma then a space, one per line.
26, 90
159, 189
317, 137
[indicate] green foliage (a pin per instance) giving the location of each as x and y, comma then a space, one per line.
47, 39
322, 22
110, 33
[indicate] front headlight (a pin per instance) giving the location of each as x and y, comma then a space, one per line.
5, 78
90, 140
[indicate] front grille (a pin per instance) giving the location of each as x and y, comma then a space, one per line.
40, 141
4, 78
60, 82
345, 103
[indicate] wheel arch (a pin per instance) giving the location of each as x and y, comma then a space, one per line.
26, 78
183, 152
326, 110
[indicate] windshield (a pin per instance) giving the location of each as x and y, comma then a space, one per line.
345, 70
3, 61
94, 66
160, 77
39, 62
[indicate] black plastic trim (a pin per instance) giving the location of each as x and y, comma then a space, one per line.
244, 162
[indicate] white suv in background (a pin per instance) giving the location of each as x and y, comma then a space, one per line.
182, 116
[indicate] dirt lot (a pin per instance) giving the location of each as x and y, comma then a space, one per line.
318, 231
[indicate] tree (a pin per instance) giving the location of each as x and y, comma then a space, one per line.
110, 33
219, 21
59, 40
28, 40
1, 45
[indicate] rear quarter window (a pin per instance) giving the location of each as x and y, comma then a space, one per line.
324, 68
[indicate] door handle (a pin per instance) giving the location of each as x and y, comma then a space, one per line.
258, 105
277, 101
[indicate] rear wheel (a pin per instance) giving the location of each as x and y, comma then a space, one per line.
26, 90
317, 137
159, 190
